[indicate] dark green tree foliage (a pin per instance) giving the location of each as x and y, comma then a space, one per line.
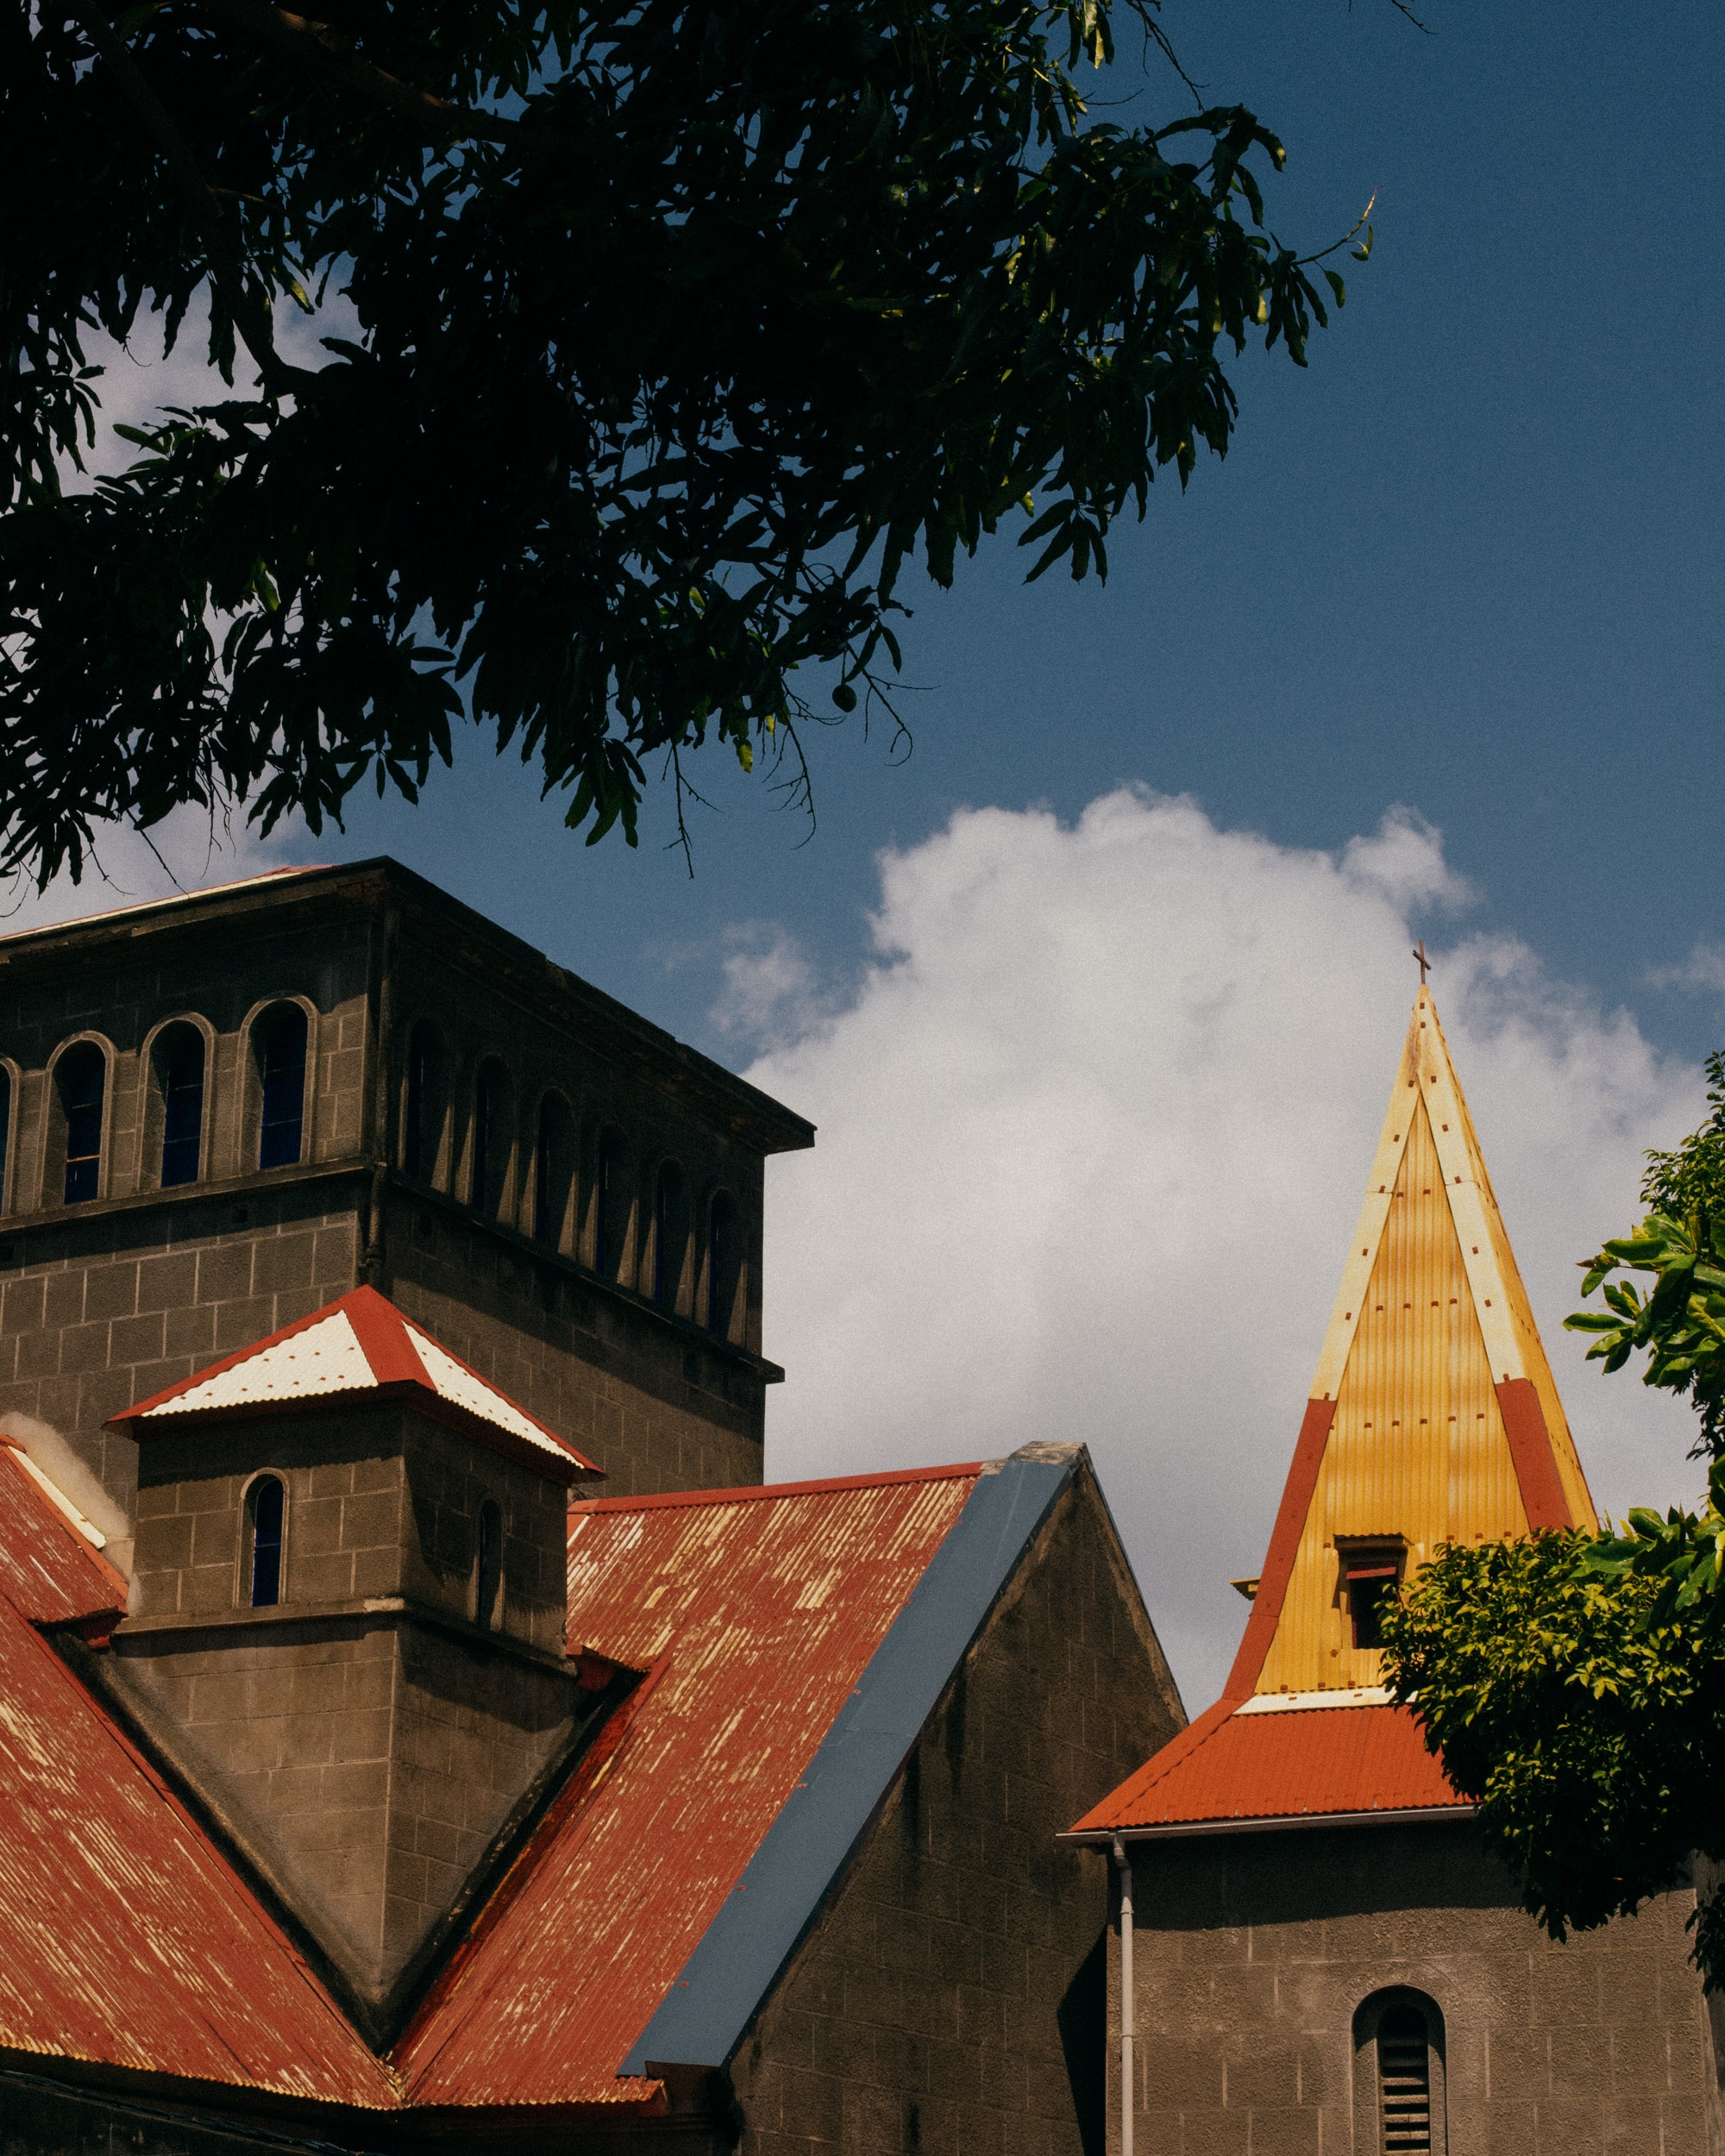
1575, 1685
684, 324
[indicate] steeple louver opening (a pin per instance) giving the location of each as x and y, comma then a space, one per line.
1404, 2083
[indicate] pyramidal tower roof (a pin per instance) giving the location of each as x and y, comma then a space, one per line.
1433, 1415
361, 1343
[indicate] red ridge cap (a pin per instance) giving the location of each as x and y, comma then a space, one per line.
1285, 1546
1532, 1455
381, 1331
747, 1490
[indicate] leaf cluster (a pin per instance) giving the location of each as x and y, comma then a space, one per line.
1681, 1319
1576, 1695
683, 326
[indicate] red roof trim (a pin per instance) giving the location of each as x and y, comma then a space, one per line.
384, 1337
1532, 1455
748, 1490
1285, 1546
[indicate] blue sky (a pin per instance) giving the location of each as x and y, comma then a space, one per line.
1097, 1103
1469, 561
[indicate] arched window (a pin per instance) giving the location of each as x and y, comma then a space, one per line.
488, 1571
5, 1128
281, 1072
723, 1266
265, 1507
490, 1161
82, 1078
610, 1205
670, 1235
422, 1121
179, 1066
554, 1167
1399, 2076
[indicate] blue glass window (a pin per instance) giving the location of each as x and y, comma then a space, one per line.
82, 1077
182, 1107
265, 1502
281, 1063
5, 1125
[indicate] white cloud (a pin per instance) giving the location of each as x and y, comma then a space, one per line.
1703, 972
1093, 1134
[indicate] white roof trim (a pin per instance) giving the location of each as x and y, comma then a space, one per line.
1304, 1702
463, 1389
326, 1357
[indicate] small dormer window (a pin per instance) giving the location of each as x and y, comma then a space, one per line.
1371, 1574
264, 1505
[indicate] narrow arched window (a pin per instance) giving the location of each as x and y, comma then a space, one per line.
490, 1163
82, 1078
282, 1070
1398, 2090
182, 1089
264, 1505
553, 1171
413, 1134
670, 1234
723, 1266
424, 1106
1404, 2081
488, 1572
5, 1129
610, 1205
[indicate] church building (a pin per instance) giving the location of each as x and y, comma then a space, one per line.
421, 1728
1313, 1953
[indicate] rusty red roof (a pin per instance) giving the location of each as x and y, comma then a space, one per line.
360, 1343
131, 1943
754, 1612
1269, 1759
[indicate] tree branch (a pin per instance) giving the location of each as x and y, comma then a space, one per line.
251, 318
316, 45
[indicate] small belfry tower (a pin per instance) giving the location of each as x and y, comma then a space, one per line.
1325, 1957
1433, 1416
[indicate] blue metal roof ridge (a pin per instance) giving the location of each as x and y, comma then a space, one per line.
703, 2016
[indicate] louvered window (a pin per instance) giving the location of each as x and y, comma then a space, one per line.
1404, 2083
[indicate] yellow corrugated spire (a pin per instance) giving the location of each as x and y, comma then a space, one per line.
1433, 1416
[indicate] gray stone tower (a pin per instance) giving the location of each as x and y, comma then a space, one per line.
346, 1625
220, 1111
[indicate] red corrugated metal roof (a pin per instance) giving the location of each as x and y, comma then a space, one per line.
48, 1572
1285, 1763
129, 1940
756, 1611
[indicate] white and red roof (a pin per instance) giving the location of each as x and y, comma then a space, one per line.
359, 1344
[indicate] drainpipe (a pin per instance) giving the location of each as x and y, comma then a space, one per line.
1128, 1999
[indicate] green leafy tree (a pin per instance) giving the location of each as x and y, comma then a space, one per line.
1575, 1685
682, 327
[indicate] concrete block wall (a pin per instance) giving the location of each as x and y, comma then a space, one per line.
951, 2000
367, 1761
1255, 1951
380, 1501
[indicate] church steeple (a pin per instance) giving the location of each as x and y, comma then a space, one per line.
1433, 1415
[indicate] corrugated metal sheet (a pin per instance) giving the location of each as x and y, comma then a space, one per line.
359, 1343
48, 1572
127, 1940
1230, 1765
1417, 1448
756, 1612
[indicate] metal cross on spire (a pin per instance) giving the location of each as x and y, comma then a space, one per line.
1419, 952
